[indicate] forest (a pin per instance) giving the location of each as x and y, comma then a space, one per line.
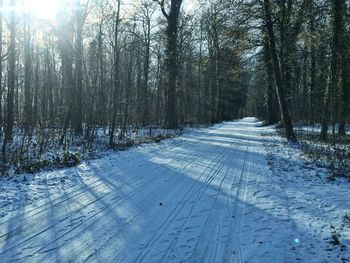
74, 71
174, 131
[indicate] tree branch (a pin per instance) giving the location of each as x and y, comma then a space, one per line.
162, 8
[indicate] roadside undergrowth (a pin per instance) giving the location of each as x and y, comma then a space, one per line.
43, 152
335, 158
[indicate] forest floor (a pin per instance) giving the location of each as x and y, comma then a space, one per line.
234, 192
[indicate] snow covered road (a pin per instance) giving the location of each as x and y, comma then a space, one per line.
207, 196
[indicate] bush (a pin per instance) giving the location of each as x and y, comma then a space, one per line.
129, 143
161, 137
124, 145
32, 166
70, 159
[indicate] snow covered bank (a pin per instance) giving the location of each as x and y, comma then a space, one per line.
43, 150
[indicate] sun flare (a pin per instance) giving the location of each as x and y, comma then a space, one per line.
42, 9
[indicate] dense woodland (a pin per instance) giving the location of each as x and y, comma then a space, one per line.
111, 66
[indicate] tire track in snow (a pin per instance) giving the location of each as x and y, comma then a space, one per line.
38, 217
210, 224
77, 191
167, 223
238, 212
60, 199
203, 177
82, 207
107, 206
207, 183
111, 234
67, 229
191, 162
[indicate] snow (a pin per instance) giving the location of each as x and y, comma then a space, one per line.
316, 128
228, 193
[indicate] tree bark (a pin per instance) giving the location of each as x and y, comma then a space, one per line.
78, 105
344, 66
28, 78
145, 117
11, 78
337, 61
278, 78
171, 120
271, 100
115, 86
1, 68
312, 86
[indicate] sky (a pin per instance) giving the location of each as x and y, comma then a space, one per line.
190, 5
47, 9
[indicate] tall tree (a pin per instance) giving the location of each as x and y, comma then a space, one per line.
278, 76
172, 18
1, 66
78, 105
272, 114
338, 65
312, 84
344, 65
28, 77
147, 10
116, 81
64, 33
11, 77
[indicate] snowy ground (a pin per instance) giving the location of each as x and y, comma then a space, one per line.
228, 193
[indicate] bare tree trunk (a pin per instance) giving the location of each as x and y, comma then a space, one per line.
78, 109
272, 116
28, 78
128, 86
1, 68
65, 41
212, 82
344, 67
172, 17
311, 91
200, 117
115, 78
338, 52
102, 83
345, 97
217, 115
11, 78
36, 92
158, 86
145, 118
278, 78
326, 113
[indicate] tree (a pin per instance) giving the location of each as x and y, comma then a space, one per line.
28, 77
1, 66
338, 71
272, 108
64, 35
280, 89
312, 84
147, 11
172, 18
11, 78
116, 82
78, 94
340, 10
